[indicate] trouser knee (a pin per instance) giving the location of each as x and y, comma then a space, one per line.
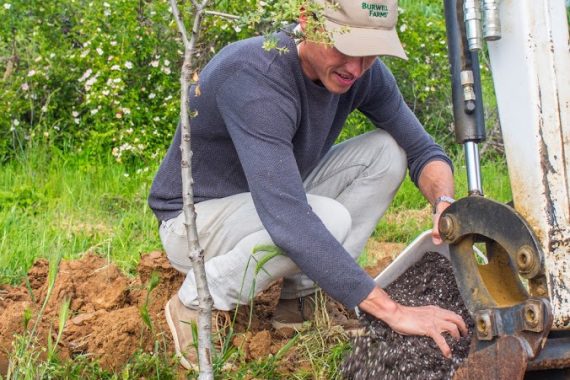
388, 157
333, 214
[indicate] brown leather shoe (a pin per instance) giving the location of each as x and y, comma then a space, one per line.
294, 312
180, 320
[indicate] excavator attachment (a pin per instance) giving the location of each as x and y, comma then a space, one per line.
517, 285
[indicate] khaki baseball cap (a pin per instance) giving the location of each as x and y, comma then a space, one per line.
363, 28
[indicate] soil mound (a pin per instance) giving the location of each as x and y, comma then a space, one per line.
105, 310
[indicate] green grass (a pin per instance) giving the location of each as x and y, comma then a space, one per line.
57, 204
65, 205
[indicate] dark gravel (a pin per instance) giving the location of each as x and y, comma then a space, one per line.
385, 354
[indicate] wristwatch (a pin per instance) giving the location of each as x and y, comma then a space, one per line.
441, 198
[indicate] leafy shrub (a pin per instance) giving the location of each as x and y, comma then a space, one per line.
103, 76
425, 78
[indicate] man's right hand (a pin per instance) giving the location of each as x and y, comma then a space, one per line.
429, 321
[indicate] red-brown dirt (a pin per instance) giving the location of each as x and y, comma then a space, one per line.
104, 320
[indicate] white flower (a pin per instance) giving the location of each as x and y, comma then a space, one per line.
44, 109
403, 28
166, 62
46, 134
25, 86
86, 75
126, 111
12, 129
129, 65
156, 118
86, 43
152, 95
119, 115
110, 58
84, 53
99, 51
56, 127
75, 114
107, 13
154, 63
39, 58
94, 111
76, 121
168, 97
106, 5
7, 6
166, 70
113, 43
31, 73
16, 122
129, 131
237, 28
52, 55
105, 92
90, 82
117, 80
116, 68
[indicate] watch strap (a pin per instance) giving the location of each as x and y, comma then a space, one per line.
441, 198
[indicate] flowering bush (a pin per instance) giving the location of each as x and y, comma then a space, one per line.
100, 76
103, 76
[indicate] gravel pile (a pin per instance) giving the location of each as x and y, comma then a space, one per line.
384, 354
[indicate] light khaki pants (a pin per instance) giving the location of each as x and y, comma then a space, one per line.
349, 190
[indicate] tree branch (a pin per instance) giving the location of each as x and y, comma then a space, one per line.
222, 14
196, 253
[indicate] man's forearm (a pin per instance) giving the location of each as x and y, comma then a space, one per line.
436, 179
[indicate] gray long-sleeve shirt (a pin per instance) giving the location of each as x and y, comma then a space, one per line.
262, 126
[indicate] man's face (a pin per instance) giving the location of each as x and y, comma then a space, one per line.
336, 71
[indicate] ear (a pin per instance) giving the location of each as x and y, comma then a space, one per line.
303, 18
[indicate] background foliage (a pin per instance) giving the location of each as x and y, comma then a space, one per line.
102, 76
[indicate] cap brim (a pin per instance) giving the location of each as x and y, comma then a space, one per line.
360, 42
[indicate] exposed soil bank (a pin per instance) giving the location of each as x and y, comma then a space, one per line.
104, 320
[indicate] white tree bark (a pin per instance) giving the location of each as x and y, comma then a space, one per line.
196, 253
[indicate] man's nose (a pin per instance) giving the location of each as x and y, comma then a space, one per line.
355, 65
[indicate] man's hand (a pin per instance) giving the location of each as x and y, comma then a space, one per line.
435, 236
429, 321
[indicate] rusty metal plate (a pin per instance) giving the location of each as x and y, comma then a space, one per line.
505, 359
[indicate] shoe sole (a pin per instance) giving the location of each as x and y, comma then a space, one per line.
284, 325
185, 363
351, 332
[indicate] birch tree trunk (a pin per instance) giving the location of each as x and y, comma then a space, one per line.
196, 253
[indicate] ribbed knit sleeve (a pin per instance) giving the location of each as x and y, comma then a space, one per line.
384, 105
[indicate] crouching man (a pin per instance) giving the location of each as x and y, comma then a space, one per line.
266, 172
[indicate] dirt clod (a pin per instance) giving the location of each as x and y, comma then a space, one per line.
385, 354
